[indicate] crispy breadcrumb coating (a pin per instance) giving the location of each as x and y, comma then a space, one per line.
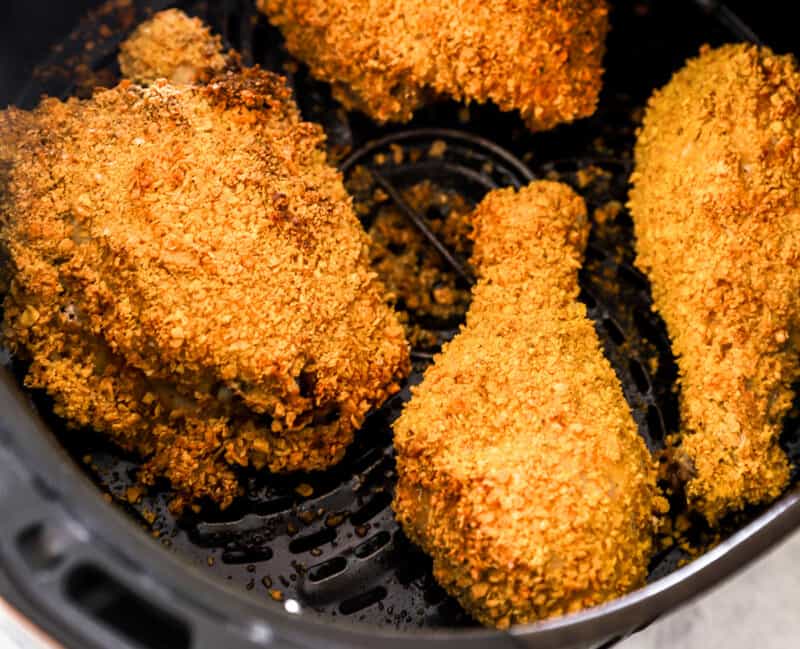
716, 205
188, 276
541, 57
175, 47
521, 470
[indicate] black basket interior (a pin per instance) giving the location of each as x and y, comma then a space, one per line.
327, 541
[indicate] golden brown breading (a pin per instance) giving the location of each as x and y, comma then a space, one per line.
190, 278
541, 57
175, 47
716, 204
520, 467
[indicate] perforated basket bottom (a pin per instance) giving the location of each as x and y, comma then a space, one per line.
328, 541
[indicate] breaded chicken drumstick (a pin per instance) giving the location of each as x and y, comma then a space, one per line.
540, 57
188, 276
716, 205
520, 467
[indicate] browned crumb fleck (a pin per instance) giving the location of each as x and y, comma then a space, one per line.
334, 520
590, 174
521, 470
304, 489
276, 594
607, 212
715, 201
133, 494
306, 516
397, 153
438, 149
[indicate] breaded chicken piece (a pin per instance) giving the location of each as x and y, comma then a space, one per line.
520, 467
716, 205
540, 57
189, 277
175, 47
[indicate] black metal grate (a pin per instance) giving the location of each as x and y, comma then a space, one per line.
328, 540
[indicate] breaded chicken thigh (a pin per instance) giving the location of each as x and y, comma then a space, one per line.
520, 467
540, 57
188, 276
716, 206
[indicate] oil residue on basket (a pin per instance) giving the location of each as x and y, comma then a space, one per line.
328, 540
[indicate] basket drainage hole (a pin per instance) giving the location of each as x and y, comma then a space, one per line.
360, 602
372, 508
372, 545
588, 299
654, 425
42, 547
639, 376
614, 332
311, 541
107, 601
435, 213
327, 569
236, 556
632, 277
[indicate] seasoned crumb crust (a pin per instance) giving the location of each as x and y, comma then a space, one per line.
520, 467
187, 275
716, 205
540, 57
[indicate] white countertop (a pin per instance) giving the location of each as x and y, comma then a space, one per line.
16, 633
757, 609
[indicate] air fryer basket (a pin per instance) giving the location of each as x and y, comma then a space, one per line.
317, 559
